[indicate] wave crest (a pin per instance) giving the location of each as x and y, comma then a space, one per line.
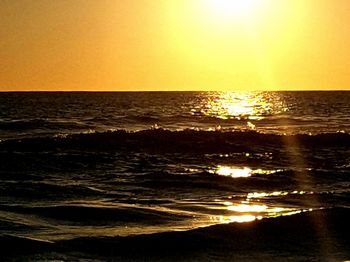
175, 141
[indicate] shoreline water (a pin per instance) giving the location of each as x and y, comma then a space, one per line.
294, 238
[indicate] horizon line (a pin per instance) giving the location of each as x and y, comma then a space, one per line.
155, 91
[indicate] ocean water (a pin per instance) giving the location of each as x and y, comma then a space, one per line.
201, 176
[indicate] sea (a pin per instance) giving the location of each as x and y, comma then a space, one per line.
175, 176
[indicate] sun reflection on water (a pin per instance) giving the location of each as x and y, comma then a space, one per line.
233, 172
247, 208
240, 172
246, 212
242, 105
256, 195
237, 219
256, 205
254, 208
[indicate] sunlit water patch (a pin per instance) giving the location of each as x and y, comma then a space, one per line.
242, 105
240, 172
254, 207
262, 195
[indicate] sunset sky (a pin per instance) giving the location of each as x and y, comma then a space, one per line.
122, 45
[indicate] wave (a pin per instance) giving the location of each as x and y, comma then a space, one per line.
330, 190
45, 191
39, 124
176, 141
99, 215
316, 235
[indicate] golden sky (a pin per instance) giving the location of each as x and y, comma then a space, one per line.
174, 44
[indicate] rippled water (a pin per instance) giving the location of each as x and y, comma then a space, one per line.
178, 161
29, 114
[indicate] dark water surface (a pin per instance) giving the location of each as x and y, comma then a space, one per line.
175, 175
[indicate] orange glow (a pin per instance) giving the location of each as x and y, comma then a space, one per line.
174, 45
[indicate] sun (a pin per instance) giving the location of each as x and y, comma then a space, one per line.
225, 10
